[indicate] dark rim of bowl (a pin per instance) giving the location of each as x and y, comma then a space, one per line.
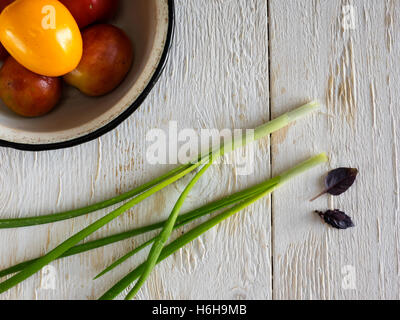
122, 117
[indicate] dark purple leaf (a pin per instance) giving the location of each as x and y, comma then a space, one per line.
336, 219
339, 181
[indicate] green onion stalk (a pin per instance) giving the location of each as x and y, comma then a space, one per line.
54, 254
204, 227
182, 220
165, 233
259, 133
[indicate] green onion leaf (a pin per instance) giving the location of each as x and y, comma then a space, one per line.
202, 228
181, 221
259, 133
165, 233
69, 243
54, 254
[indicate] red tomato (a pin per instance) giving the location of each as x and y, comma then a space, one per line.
3, 51
87, 12
4, 3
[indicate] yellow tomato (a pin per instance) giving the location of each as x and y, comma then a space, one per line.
41, 35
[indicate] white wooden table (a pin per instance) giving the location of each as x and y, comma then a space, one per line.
229, 68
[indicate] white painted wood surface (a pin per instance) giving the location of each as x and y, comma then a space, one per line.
355, 73
218, 77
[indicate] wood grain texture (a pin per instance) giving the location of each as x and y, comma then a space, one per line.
354, 72
217, 77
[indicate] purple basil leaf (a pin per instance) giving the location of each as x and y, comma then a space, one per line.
337, 219
339, 181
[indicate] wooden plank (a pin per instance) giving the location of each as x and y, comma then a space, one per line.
217, 77
355, 73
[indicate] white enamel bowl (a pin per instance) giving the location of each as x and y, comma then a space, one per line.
78, 119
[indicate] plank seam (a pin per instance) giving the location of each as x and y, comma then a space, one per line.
270, 145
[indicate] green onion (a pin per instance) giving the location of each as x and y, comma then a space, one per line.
191, 216
181, 221
202, 228
165, 233
179, 243
63, 247
259, 133
34, 221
